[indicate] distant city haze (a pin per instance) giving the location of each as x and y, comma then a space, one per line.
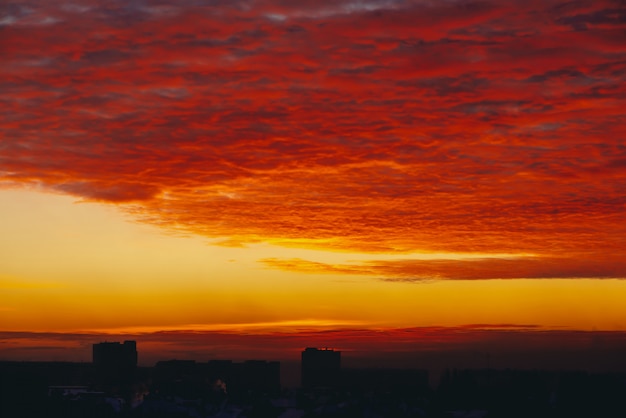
409, 348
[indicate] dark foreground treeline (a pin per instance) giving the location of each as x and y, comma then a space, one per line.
186, 389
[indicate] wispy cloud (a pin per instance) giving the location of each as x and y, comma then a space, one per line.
470, 269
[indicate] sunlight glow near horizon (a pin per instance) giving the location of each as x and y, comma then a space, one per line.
87, 266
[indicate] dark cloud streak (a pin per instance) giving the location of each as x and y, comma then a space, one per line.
505, 343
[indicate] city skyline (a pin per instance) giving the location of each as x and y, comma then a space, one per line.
257, 174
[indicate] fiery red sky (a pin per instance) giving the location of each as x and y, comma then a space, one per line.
427, 141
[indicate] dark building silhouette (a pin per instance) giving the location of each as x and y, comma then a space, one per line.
189, 379
320, 367
258, 375
399, 381
115, 361
115, 354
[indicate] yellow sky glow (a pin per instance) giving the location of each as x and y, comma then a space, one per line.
69, 266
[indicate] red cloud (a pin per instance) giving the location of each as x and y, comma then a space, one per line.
454, 126
474, 269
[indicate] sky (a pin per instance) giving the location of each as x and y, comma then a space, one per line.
213, 176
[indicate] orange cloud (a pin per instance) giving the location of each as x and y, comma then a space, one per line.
363, 126
473, 269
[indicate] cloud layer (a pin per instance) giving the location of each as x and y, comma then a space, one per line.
377, 126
